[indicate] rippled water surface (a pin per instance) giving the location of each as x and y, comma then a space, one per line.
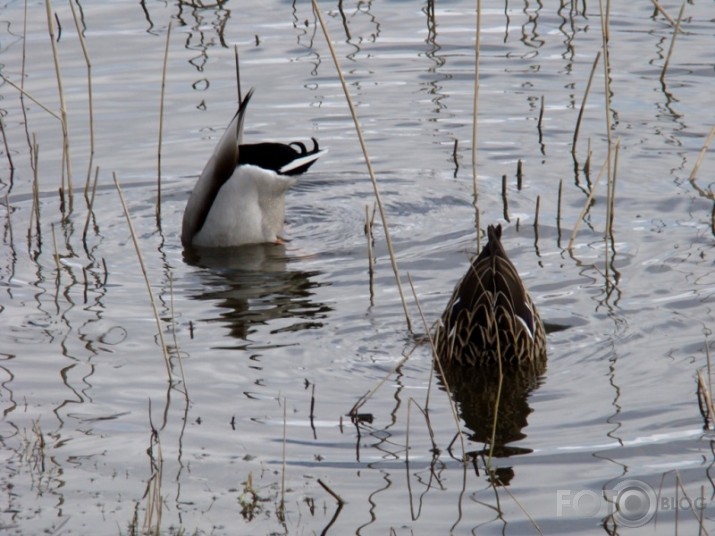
246, 429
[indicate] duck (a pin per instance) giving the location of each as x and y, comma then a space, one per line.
490, 316
239, 197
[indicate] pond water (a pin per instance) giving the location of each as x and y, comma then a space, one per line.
244, 429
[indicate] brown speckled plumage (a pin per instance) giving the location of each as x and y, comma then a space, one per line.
490, 314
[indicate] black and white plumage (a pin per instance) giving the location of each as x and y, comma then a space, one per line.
240, 195
490, 315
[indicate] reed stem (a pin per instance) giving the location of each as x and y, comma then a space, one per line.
583, 103
161, 127
375, 187
587, 204
140, 258
7, 149
90, 100
663, 12
66, 161
475, 115
672, 42
90, 206
437, 360
694, 173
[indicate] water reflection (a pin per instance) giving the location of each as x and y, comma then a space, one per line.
254, 286
477, 396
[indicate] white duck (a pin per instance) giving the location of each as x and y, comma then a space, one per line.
240, 195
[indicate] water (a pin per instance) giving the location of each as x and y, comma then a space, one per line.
277, 344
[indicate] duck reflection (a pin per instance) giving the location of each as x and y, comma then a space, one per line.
254, 286
476, 394
491, 347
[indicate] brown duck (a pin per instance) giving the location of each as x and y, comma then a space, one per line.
490, 315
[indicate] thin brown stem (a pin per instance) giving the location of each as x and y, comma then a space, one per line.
583, 103
475, 115
375, 187
672, 43
140, 258
694, 173
66, 161
90, 101
161, 127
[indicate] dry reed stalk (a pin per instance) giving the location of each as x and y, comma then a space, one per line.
364, 398
361, 139
23, 64
583, 102
539, 124
663, 12
29, 96
154, 501
694, 173
312, 412
519, 175
707, 400
610, 202
280, 511
7, 149
477, 224
536, 215
436, 359
505, 201
90, 205
35, 190
672, 43
586, 205
707, 355
425, 413
521, 507
558, 207
90, 101
55, 254
161, 127
475, 111
176, 342
605, 17
66, 161
611, 192
497, 402
705, 389
8, 225
369, 221
140, 258
692, 504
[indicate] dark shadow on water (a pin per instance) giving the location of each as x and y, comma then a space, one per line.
255, 285
475, 393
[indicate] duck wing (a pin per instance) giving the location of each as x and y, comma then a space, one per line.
217, 171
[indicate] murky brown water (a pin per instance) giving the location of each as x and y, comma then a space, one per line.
278, 344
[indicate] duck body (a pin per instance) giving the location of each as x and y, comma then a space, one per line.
239, 197
490, 316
